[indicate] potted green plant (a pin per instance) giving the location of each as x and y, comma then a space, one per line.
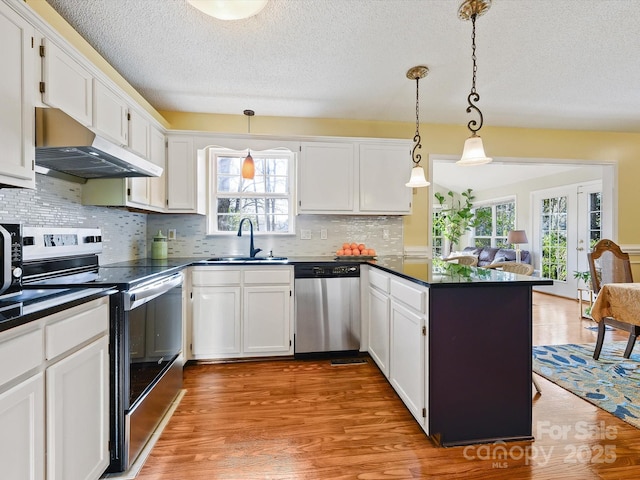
456, 217
584, 280
585, 277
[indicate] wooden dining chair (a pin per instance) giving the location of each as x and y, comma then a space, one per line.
609, 264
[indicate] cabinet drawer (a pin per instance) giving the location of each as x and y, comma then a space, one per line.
215, 276
379, 280
409, 295
76, 325
20, 354
268, 276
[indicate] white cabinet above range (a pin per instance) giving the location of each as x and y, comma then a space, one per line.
354, 176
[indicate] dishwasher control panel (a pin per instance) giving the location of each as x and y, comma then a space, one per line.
326, 270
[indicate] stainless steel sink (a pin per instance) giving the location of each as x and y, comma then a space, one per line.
247, 259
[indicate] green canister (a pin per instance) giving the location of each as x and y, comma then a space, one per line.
159, 247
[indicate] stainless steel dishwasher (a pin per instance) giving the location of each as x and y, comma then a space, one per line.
327, 301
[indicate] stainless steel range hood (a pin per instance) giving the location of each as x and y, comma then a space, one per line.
64, 146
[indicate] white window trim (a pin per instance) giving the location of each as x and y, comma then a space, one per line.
212, 152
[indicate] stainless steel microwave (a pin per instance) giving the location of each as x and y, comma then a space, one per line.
11, 258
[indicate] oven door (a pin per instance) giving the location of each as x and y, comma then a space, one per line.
148, 376
154, 324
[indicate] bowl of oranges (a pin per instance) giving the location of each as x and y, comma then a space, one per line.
355, 251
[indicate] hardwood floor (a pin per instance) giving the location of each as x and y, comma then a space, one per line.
309, 420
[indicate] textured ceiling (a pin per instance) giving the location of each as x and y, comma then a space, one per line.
541, 63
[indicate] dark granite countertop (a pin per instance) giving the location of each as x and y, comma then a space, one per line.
34, 304
431, 273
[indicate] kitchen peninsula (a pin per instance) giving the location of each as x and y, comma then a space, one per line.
454, 342
474, 356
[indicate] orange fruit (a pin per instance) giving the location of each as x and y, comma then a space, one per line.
345, 246
356, 252
347, 251
340, 252
362, 247
354, 246
372, 252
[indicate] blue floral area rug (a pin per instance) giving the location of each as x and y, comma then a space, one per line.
612, 382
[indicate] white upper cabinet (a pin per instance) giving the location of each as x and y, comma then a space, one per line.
138, 133
186, 174
326, 178
66, 84
158, 155
384, 170
354, 177
16, 96
110, 112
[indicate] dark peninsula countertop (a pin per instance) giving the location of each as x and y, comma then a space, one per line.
428, 272
437, 273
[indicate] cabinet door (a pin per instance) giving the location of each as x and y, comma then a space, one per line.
22, 426
407, 365
138, 190
16, 97
110, 113
67, 84
267, 320
78, 414
379, 329
157, 185
383, 178
138, 133
326, 178
216, 322
181, 175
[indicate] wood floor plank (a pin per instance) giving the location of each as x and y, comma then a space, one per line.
295, 420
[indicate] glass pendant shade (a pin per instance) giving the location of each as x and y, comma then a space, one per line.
417, 178
229, 9
248, 167
473, 153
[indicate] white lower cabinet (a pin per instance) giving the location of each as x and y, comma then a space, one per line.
22, 434
241, 312
54, 403
398, 341
407, 357
267, 320
78, 414
216, 322
379, 329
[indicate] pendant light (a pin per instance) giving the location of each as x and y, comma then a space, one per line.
417, 172
473, 153
248, 167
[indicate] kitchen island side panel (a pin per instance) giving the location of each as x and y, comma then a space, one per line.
480, 364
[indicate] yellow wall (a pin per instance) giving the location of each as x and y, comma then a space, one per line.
622, 148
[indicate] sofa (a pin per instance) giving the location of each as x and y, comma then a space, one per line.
488, 255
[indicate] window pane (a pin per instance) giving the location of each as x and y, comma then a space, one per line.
265, 199
483, 242
484, 218
505, 218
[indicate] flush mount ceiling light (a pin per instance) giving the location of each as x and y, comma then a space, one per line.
248, 167
417, 172
229, 9
473, 153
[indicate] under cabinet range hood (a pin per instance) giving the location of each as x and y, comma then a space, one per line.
64, 147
